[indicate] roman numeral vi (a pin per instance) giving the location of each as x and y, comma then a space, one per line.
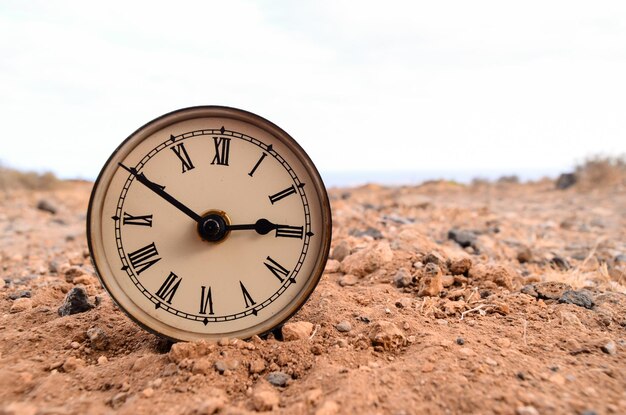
206, 299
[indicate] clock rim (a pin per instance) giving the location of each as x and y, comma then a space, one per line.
99, 191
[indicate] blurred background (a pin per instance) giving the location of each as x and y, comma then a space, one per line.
391, 92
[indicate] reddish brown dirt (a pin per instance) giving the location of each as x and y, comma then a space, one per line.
450, 340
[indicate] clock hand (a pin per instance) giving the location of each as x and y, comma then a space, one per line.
262, 227
160, 190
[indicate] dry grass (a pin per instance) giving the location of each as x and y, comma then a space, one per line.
15, 179
601, 172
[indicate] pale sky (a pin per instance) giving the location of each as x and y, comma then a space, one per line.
362, 85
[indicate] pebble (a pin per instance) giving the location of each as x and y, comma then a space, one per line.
76, 301
256, 366
526, 410
498, 274
460, 266
460, 341
491, 362
265, 399
147, 393
348, 280
278, 378
225, 365
343, 326
46, 206
72, 363
102, 360
332, 266
98, 338
75, 345
431, 283
341, 251
579, 298
20, 305
299, 330
609, 347
524, 255
402, 278
462, 237
387, 335
367, 260
434, 257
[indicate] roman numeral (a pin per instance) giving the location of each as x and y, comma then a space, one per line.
206, 299
256, 166
246, 296
169, 287
144, 258
142, 220
182, 154
282, 194
290, 232
278, 270
222, 148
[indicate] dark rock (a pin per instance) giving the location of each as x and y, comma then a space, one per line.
609, 347
402, 278
460, 341
560, 263
278, 378
98, 338
372, 232
434, 258
46, 206
76, 301
566, 180
529, 290
621, 258
462, 237
20, 294
579, 298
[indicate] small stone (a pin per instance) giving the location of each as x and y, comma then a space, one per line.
46, 206
367, 260
431, 283
466, 352
460, 341
97, 338
299, 330
76, 301
462, 237
265, 399
526, 410
278, 378
402, 278
434, 257
491, 362
256, 366
564, 181
609, 347
102, 360
387, 335
460, 266
348, 280
404, 302
72, 363
341, 251
524, 255
147, 393
332, 266
579, 298
343, 326
226, 365
21, 305
75, 345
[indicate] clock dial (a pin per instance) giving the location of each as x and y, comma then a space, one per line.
209, 222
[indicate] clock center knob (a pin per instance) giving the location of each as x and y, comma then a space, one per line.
214, 226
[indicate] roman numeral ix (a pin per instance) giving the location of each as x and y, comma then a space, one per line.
141, 220
169, 287
144, 258
222, 148
182, 154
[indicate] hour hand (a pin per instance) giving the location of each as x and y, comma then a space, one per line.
160, 190
264, 226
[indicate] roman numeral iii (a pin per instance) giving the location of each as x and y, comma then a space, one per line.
282, 194
142, 220
169, 287
206, 299
290, 231
144, 258
222, 148
182, 154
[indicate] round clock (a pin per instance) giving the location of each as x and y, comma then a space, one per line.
209, 222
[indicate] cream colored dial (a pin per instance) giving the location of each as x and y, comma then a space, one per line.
209, 222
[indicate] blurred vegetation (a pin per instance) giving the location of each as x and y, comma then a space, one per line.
601, 171
15, 179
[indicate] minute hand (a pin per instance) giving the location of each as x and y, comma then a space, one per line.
141, 178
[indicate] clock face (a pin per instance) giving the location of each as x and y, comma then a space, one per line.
209, 222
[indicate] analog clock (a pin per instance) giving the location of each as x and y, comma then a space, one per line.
209, 222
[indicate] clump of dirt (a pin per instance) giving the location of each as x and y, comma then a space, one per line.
494, 298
